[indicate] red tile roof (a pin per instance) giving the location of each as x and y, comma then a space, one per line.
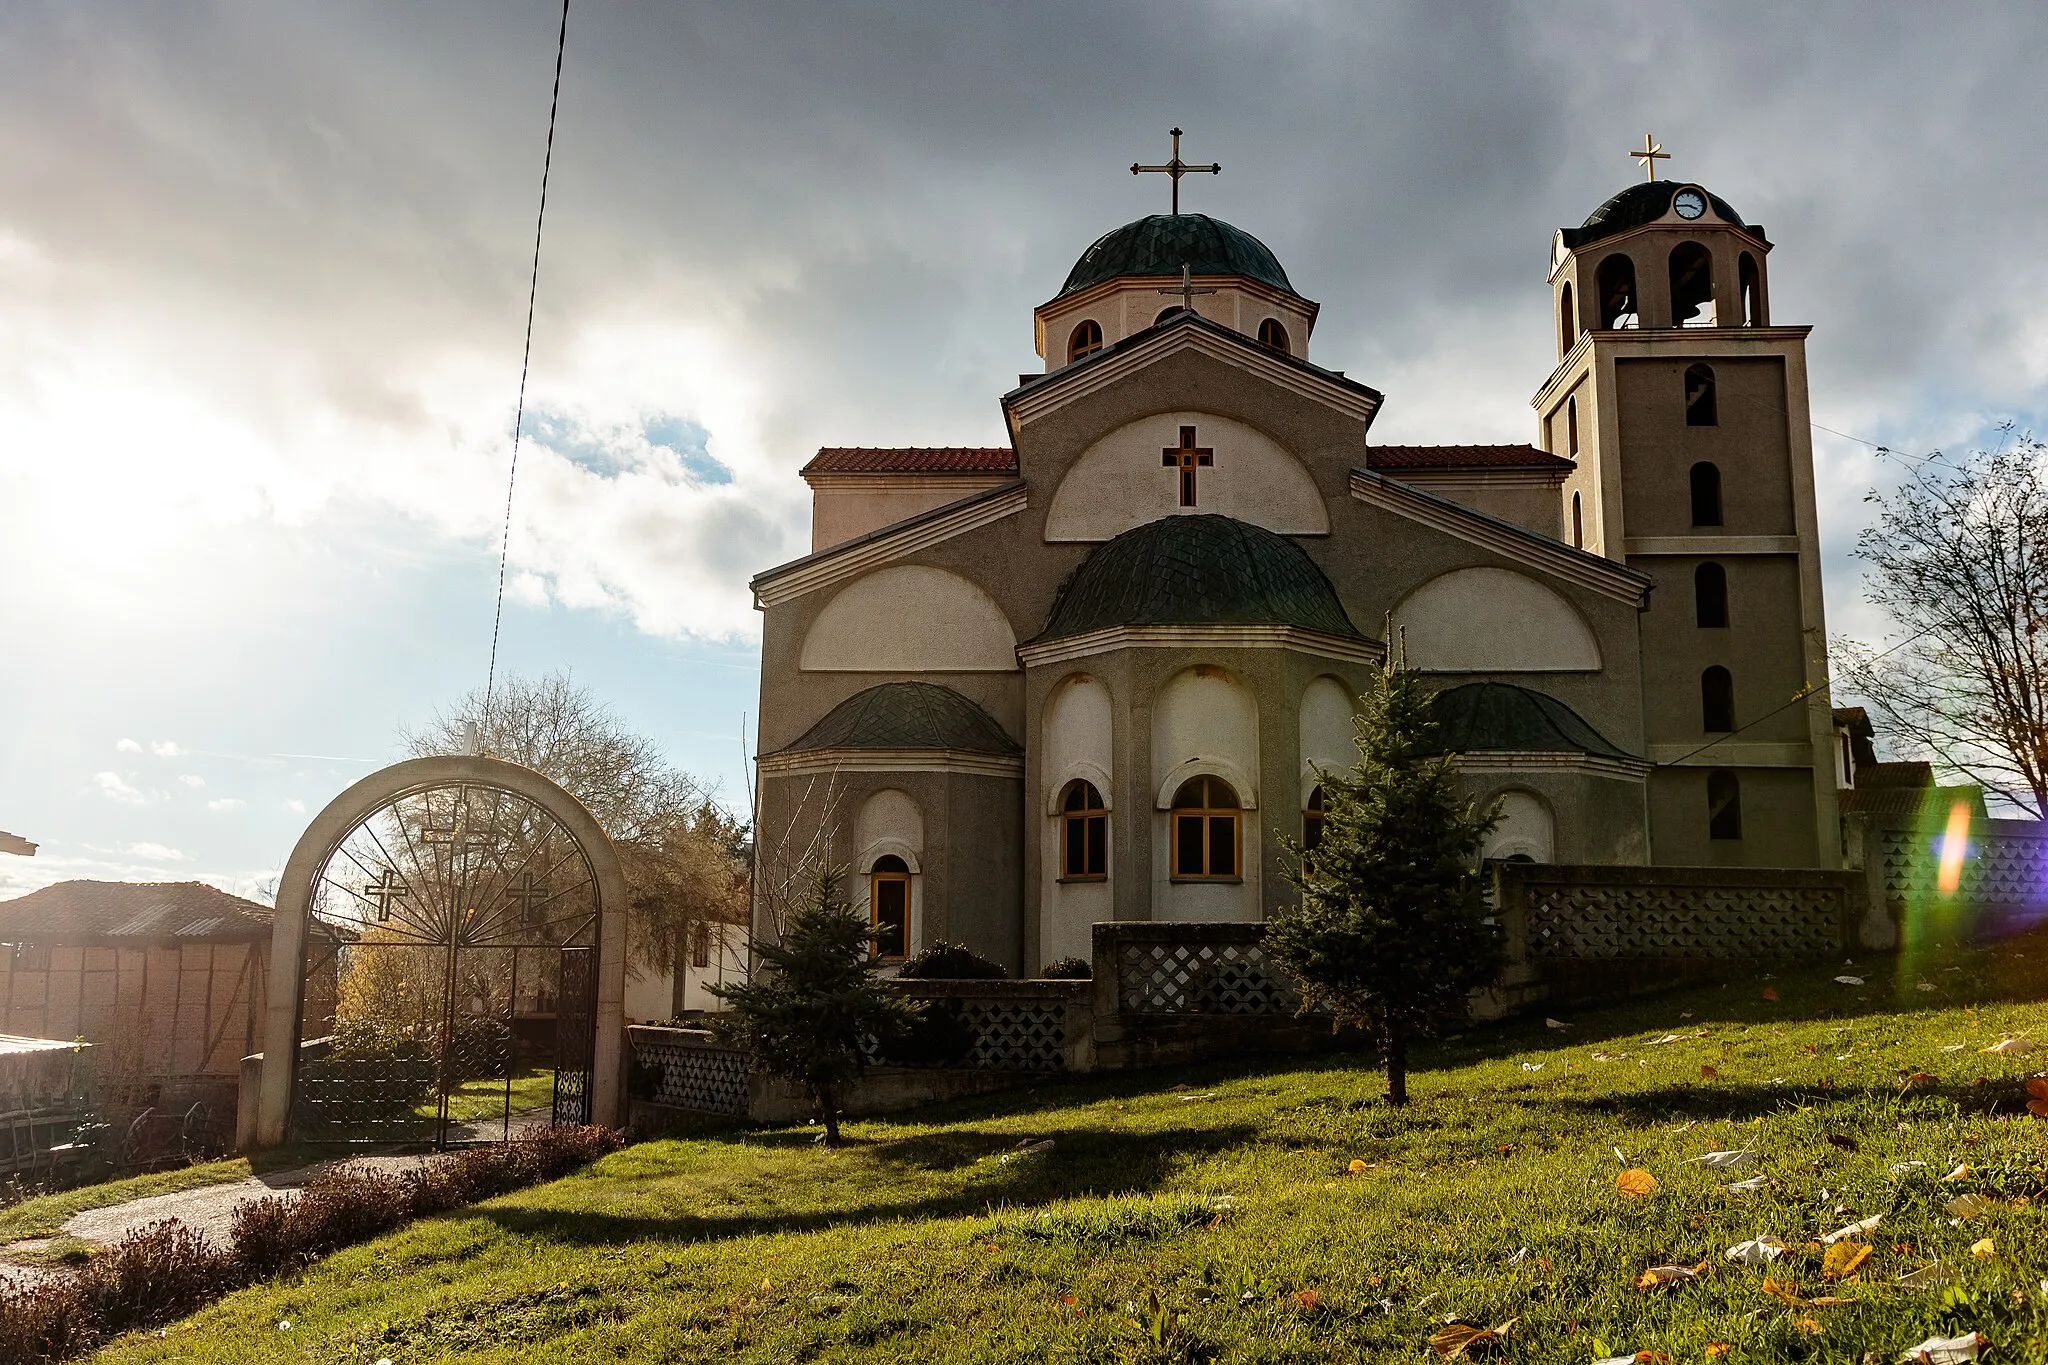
68, 912
1464, 457
913, 460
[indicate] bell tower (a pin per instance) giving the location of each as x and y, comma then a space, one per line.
1686, 412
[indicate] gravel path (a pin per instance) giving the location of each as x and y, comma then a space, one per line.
209, 1210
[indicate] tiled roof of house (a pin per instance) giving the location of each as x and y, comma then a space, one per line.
908, 715
69, 912
1491, 716
1909, 801
913, 460
1197, 570
1398, 458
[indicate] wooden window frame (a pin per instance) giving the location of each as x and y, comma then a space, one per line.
1077, 348
1093, 820
1278, 328
877, 879
1208, 815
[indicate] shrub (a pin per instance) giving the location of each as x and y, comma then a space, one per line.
265, 1238
47, 1321
152, 1275
1067, 969
951, 962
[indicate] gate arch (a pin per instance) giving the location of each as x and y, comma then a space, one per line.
514, 795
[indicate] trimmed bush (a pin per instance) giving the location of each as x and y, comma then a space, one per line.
44, 1322
152, 1275
950, 962
1067, 969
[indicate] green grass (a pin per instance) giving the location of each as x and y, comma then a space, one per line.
485, 1099
43, 1215
1212, 1213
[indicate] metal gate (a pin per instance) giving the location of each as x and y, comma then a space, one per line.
448, 991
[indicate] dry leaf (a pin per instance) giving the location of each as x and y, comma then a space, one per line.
1669, 1274
1770, 992
1967, 1206
1356, 1166
1749, 1186
1707, 1073
1723, 1161
1556, 1024
2010, 1045
1917, 1080
1933, 1275
1784, 1292
1716, 1348
2037, 1097
1853, 1230
1758, 1251
1948, 1350
1636, 1182
1843, 1259
1462, 1339
1901, 1167
1308, 1298
1961, 1172
1984, 1250
1849, 980
1842, 1140
1807, 1325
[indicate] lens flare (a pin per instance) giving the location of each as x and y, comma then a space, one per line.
1955, 845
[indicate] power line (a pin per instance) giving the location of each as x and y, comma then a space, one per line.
525, 363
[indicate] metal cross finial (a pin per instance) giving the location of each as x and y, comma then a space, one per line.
1177, 168
1652, 153
1187, 289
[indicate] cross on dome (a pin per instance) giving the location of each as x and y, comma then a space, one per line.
1176, 168
1187, 288
1652, 152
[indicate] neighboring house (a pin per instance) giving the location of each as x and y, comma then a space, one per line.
165, 979
716, 956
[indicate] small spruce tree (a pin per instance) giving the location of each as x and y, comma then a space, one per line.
806, 1015
1390, 933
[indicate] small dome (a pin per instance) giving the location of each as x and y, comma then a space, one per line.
1491, 716
1644, 202
908, 715
1161, 244
1197, 570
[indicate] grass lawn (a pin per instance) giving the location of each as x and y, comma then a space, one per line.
1279, 1212
43, 1215
532, 1090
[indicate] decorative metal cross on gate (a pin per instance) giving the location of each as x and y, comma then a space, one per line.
1187, 457
1177, 168
1187, 288
527, 894
384, 893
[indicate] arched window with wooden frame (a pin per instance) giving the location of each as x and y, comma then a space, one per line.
1700, 407
889, 907
1706, 494
1615, 283
1207, 831
1724, 805
1717, 701
1273, 336
1710, 596
1086, 340
1084, 834
1567, 320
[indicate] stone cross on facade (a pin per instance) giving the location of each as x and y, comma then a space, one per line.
1187, 457
1176, 168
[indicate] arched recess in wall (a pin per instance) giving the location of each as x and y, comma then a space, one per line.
1205, 720
1075, 739
1526, 829
889, 825
1488, 620
1326, 743
1122, 480
910, 618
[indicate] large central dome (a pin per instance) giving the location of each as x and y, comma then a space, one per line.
1163, 242
1198, 570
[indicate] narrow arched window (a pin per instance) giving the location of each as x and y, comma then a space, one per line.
889, 907
1692, 286
1086, 340
1706, 494
1272, 334
1571, 426
1084, 834
1717, 701
1724, 805
1616, 283
1751, 281
1700, 408
1312, 821
1578, 524
1205, 830
1710, 596
1567, 320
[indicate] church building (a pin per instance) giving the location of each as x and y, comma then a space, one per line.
1091, 675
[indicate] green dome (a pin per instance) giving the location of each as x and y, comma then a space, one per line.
1644, 202
1198, 570
1492, 716
908, 715
1161, 244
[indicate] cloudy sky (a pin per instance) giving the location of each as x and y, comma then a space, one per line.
263, 280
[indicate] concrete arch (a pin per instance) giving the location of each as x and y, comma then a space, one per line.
910, 618
888, 822
1491, 620
1118, 482
1527, 828
1325, 727
1239, 779
1092, 773
333, 825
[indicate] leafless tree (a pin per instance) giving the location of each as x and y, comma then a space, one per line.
684, 857
1958, 558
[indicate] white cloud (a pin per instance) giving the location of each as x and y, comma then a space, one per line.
165, 748
128, 746
192, 779
157, 853
118, 788
295, 806
226, 803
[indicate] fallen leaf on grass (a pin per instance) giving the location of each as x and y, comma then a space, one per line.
1923, 985
1843, 1259
1842, 1140
1853, 1230
1770, 992
1916, 1080
1659, 1275
2037, 1097
1532, 1066
1723, 1161
1749, 1186
1784, 1293
1707, 1073
1984, 1250
1967, 1206
1556, 1024
1948, 1350
1933, 1275
1463, 1339
1807, 1325
2009, 1045
1901, 1167
1356, 1166
1610, 1056
1953, 1047
1716, 1348
1308, 1298
1961, 1172
1757, 1251
1636, 1182
1849, 980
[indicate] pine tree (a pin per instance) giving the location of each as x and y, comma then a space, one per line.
807, 1014
1390, 933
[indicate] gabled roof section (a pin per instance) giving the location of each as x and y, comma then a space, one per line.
1400, 459
1504, 538
852, 557
912, 460
71, 912
907, 715
1187, 330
